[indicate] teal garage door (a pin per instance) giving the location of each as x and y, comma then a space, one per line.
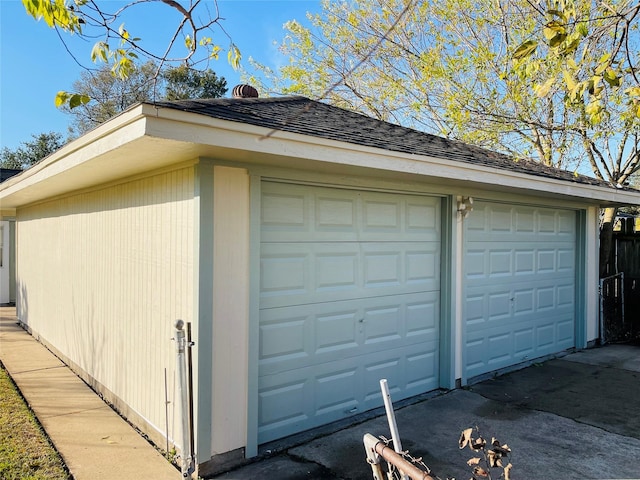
349, 294
520, 289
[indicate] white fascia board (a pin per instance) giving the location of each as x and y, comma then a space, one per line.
196, 128
55, 172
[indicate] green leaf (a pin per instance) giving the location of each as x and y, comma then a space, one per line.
233, 57
553, 29
100, 51
593, 85
582, 28
601, 68
611, 77
603, 63
569, 80
32, 7
633, 91
77, 99
593, 108
557, 40
558, 13
123, 33
570, 45
526, 49
61, 98
215, 50
544, 89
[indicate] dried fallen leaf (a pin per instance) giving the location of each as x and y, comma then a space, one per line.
478, 444
504, 449
481, 472
465, 437
507, 469
473, 461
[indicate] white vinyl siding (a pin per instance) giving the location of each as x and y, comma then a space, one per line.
103, 275
349, 294
520, 286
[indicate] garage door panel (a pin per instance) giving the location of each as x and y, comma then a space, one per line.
510, 282
421, 370
349, 294
495, 347
486, 259
519, 284
309, 214
516, 322
566, 332
284, 211
315, 395
506, 223
300, 336
293, 273
518, 297
524, 341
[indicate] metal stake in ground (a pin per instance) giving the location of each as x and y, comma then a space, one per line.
183, 394
391, 417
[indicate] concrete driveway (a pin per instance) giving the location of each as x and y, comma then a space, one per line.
577, 417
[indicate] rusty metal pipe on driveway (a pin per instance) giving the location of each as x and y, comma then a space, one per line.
376, 447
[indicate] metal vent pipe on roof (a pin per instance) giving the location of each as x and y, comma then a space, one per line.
244, 91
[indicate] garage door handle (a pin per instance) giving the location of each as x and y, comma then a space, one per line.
353, 410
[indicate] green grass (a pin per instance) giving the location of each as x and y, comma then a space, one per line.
25, 451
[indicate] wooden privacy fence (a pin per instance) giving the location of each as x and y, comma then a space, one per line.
620, 294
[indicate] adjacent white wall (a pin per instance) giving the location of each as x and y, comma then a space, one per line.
103, 274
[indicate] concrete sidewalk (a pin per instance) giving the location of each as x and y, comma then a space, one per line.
577, 417
95, 443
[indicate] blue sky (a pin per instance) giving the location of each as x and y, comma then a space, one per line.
34, 64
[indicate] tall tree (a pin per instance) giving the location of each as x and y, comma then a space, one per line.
555, 81
184, 82
190, 43
594, 49
111, 95
31, 152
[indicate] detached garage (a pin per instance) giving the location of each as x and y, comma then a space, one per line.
313, 250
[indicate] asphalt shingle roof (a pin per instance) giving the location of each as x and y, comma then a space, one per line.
7, 173
308, 117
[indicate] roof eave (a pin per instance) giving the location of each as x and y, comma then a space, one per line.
146, 137
235, 135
